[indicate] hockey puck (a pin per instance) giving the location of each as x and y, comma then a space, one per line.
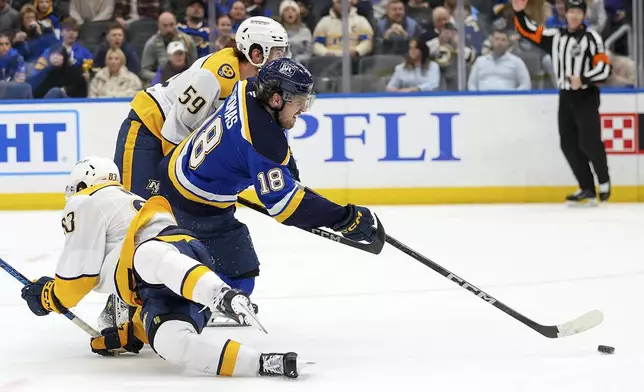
606, 349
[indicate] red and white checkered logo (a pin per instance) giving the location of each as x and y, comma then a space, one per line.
620, 133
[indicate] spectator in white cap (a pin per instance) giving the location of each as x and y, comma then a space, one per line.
177, 62
299, 36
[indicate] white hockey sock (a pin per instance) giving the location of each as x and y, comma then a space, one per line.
158, 262
179, 343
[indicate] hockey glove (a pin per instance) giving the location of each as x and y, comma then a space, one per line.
357, 224
114, 340
235, 304
40, 297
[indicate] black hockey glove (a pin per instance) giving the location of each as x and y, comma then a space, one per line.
114, 340
357, 225
40, 297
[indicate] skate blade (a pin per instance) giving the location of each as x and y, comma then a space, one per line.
252, 319
222, 321
302, 365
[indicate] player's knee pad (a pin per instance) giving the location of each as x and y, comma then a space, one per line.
178, 342
172, 340
147, 258
158, 262
173, 327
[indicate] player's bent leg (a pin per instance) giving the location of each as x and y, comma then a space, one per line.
158, 262
178, 342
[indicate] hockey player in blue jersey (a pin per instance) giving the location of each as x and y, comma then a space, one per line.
244, 144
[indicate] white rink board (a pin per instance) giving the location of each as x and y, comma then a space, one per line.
371, 142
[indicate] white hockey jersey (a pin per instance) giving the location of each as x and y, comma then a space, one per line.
172, 110
97, 223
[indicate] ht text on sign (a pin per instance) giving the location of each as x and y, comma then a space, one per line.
38, 142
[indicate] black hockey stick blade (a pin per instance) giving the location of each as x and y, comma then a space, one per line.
573, 327
374, 247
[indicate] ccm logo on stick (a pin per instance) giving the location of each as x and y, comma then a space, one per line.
479, 293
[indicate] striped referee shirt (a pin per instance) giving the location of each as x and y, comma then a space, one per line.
580, 53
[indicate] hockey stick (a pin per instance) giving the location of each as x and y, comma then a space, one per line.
71, 316
580, 324
374, 247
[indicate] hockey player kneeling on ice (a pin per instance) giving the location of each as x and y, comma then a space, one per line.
116, 242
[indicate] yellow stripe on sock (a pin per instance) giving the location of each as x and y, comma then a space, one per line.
229, 359
191, 279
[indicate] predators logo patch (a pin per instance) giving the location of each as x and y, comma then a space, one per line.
226, 71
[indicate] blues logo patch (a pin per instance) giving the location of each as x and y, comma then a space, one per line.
226, 71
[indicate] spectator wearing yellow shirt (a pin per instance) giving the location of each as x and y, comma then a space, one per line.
327, 36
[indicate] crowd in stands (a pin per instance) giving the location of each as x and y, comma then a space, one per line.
112, 48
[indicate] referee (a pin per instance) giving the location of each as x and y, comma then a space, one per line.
579, 62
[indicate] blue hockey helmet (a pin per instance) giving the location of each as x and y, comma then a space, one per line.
288, 78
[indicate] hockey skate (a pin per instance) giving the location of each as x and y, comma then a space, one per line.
582, 198
274, 364
115, 312
221, 319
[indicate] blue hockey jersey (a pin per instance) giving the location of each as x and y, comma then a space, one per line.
238, 146
200, 35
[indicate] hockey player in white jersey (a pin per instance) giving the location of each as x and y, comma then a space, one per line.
116, 242
163, 115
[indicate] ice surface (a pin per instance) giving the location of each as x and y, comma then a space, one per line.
381, 323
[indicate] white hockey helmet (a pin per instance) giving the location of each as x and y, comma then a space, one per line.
264, 32
91, 171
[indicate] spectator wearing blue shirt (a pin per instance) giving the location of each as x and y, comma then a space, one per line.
79, 56
76, 55
46, 16
115, 38
34, 38
558, 18
196, 28
417, 73
237, 14
396, 28
222, 7
12, 64
12, 72
60, 78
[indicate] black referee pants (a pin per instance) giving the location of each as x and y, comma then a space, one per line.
580, 134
